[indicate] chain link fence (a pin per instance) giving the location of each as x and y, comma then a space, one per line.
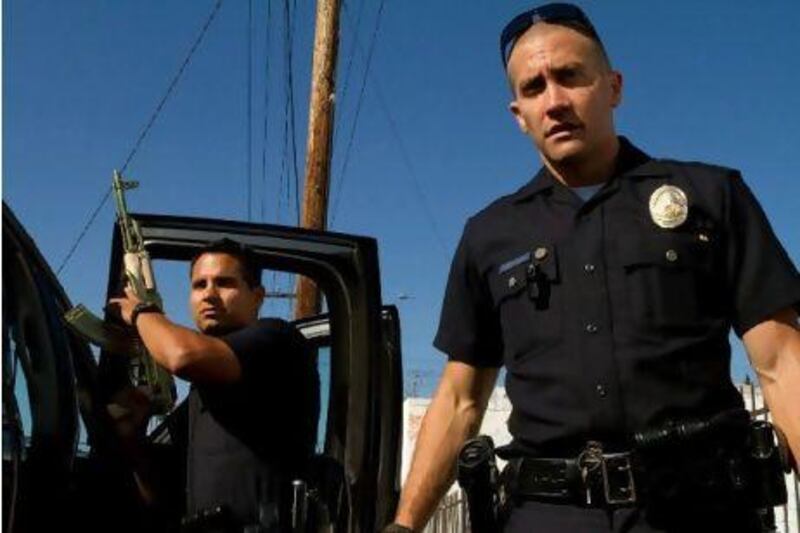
451, 516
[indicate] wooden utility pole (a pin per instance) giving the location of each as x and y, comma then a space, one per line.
320, 140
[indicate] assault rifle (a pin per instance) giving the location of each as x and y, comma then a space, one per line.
120, 339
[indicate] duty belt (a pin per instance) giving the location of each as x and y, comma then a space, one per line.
598, 479
593, 479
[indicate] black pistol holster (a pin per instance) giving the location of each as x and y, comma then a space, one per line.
769, 461
750, 474
478, 477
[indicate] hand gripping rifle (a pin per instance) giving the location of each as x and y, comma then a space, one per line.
143, 370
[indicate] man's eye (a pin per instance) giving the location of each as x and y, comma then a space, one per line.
569, 76
533, 87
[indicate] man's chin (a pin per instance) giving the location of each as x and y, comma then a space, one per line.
216, 329
565, 151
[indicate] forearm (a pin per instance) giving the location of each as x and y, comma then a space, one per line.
186, 353
780, 385
444, 429
448, 422
774, 350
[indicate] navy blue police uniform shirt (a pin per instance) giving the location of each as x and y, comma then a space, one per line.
249, 439
606, 322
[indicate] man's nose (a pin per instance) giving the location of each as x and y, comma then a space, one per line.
557, 99
210, 291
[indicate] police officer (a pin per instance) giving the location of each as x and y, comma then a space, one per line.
244, 447
607, 287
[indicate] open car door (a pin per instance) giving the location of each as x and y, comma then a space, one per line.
61, 468
388, 390
40, 401
361, 435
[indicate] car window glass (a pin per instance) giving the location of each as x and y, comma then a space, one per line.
84, 395
37, 379
16, 358
324, 366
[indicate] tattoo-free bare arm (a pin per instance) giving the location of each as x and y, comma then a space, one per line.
183, 352
774, 350
453, 416
186, 353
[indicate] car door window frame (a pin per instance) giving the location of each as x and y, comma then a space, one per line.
345, 269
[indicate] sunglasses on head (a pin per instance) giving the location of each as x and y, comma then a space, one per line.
557, 12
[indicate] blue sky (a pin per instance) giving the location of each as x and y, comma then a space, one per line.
714, 81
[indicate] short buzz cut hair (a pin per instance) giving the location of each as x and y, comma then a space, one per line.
251, 272
591, 35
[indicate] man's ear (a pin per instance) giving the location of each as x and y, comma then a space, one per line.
514, 108
615, 79
260, 294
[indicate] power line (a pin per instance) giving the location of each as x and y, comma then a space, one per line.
349, 68
283, 178
249, 110
412, 174
346, 160
144, 131
290, 24
266, 113
172, 84
400, 146
292, 113
285, 155
82, 234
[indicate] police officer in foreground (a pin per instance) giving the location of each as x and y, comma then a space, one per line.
607, 287
244, 446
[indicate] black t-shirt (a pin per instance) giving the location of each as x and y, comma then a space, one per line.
249, 439
606, 322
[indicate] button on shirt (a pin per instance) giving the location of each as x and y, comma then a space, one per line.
622, 324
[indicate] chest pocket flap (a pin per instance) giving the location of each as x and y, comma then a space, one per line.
669, 250
670, 280
523, 272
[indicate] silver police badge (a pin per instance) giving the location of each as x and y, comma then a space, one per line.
669, 206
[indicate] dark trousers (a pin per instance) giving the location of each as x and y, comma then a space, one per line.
539, 517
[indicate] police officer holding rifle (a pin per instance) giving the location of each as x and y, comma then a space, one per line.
607, 286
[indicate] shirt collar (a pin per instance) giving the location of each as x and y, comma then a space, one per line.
631, 161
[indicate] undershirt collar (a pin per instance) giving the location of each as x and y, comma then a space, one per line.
587, 191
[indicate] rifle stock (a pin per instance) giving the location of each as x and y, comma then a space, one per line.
143, 371
109, 337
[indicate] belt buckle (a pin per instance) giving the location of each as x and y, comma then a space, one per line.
618, 484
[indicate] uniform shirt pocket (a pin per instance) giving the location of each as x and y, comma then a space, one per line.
669, 279
525, 296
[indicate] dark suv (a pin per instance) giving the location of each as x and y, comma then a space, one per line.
55, 389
